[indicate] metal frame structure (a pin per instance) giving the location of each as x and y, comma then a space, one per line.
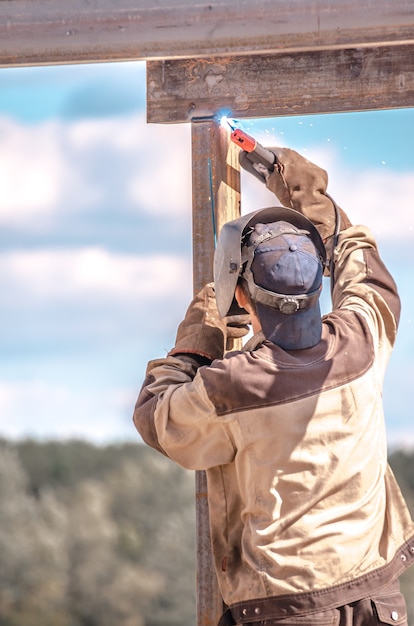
71, 31
253, 58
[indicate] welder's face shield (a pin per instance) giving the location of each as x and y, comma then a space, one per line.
228, 255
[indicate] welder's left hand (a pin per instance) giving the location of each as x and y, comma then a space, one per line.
203, 332
237, 327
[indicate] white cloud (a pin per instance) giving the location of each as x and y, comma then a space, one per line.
162, 183
380, 198
37, 408
45, 168
53, 274
31, 170
400, 438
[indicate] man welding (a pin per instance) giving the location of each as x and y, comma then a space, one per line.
308, 524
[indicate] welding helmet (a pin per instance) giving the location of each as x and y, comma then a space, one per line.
281, 255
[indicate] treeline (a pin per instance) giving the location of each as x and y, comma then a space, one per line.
94, 536
105, 536
402, 464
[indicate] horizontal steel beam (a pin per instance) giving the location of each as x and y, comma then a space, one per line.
35, 32
324, 81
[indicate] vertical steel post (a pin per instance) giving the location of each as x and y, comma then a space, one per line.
216, 200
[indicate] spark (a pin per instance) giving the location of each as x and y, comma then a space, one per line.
224, 121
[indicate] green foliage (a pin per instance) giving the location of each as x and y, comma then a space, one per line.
94, 536
402, 464
105, 536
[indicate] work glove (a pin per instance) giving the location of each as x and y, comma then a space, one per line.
203, 332
301, 185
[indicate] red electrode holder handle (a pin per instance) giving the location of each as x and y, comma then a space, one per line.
253, 152
242, 139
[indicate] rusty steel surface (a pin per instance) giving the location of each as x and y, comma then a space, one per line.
281, 84
216, 200
35, 32
216, 192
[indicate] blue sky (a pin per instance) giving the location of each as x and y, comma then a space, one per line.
95, 239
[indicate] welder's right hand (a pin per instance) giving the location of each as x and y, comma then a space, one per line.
301, 185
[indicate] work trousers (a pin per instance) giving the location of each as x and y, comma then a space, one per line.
385, 607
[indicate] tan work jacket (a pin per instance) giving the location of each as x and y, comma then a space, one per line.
303, 505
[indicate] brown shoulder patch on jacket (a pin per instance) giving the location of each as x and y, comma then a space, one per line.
271, 376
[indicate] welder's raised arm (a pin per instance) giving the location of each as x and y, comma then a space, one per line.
301, 185
172, 406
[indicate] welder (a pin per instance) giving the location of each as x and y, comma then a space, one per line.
308, 524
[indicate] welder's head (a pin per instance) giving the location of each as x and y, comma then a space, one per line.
280, 255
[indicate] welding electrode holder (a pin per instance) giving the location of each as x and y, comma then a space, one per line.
253, 153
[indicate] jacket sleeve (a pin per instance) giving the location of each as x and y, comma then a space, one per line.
363, 284
360, 279
174, 415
